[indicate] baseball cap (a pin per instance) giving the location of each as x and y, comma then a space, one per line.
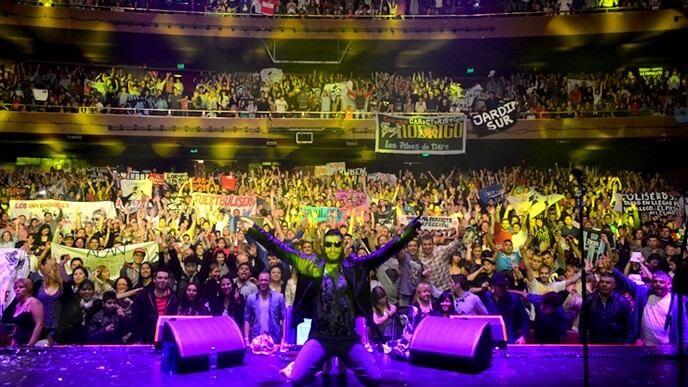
500, 279
140, 250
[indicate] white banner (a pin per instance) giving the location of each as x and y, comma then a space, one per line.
14, 263
433, 223
137, 188
205, 203
40, 94
113, 258
89, 211
329, 169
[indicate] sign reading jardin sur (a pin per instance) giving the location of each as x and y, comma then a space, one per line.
495, 120
445, 135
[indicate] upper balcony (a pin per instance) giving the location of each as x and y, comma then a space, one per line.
614, 38
458, 23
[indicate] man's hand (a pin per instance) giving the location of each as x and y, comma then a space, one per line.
521, 340
246, 223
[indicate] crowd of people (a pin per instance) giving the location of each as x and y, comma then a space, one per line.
500, 242
272, 92
368, 8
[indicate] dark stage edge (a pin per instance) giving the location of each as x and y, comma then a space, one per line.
552, 366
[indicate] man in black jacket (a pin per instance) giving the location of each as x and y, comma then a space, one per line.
151, 303
341, 289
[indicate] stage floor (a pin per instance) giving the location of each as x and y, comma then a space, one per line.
518, 365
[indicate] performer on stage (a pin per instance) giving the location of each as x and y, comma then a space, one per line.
342, 293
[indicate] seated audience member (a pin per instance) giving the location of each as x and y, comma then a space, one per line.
110, 325
151, 303
387, 326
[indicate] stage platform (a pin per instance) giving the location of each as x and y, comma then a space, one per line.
517, 366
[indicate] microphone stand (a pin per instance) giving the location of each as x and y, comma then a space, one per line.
680, 290
578, 176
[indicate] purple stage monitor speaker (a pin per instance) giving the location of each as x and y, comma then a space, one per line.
192, 345
499, 337
454, 344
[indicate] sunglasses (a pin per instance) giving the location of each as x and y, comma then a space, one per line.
330, 244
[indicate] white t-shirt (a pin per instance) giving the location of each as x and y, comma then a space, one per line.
652, 330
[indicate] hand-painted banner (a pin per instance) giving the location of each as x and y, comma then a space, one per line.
176, 179
495, 120
323, 214
329, 169
14, 263
113, 258
652, 203
156, 178
350, 198
89, 211
445, 135
492, 192
205, 203
136, 188
433, 223
386, 178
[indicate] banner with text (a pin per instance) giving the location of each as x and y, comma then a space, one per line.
205, 203
445, 135
113, 258
176, 179
350, 198
433, 223
323, 214
136, 188
89, 211
495, 120
652, 203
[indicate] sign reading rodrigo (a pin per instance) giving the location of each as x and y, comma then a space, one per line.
498, 119
407, 134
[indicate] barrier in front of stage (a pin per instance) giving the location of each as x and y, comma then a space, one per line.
191, 345
455, 344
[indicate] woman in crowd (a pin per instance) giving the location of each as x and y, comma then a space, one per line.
232, 302
145, 275
125, 294
384, 316
191, 303
102, 279
26, 313
446, 305
276, 279
422, 306
211, 288
7, 241
50, 294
